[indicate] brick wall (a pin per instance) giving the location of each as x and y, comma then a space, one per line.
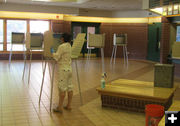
67, 27
165, 38
57, 26
61, 26
137, 38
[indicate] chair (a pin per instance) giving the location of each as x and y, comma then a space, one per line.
17, 38
120, 40
34, 42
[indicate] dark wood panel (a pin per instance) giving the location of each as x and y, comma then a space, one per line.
137, 38
67, 27
165, 37
57, 26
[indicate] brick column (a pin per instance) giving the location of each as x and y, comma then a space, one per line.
57, 26
165, 38
67, 27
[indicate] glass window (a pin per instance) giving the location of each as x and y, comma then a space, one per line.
19, 26
39, 26
178, 34
1, 35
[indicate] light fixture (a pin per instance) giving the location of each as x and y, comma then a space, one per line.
170, 10
164, 11
158, 10
175, 10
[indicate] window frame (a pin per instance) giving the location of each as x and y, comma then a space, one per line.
27, 28
2, 43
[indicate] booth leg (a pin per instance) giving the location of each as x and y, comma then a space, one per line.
78, 82
44, 70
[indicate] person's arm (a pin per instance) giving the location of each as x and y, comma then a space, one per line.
58, 53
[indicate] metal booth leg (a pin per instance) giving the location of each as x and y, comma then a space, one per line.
42, 60
25, 57
112, 55
30, 67
52, 84
115, 54
49, 71
10, 55
78, 82
44, 70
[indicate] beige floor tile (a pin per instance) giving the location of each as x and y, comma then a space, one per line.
19, 101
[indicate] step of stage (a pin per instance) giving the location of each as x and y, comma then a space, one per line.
134, 95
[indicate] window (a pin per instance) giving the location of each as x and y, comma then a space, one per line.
39, 26
1, 35
19, 26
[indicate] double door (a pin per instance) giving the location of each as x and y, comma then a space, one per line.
154, 37
83, 27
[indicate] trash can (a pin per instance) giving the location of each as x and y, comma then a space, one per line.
154, 113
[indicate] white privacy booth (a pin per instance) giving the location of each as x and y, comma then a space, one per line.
98, 41
17, 39
34, 41
119, 40
76, 49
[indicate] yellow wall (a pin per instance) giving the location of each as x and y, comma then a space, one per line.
49, 16
30, 15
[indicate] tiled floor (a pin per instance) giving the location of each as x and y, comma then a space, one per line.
19, 100
110, 117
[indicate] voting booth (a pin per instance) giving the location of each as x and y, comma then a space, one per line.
119, 40
98, 41
76, 49
34, 41
17, 38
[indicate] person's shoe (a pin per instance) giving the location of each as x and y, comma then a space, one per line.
67, 108
57, 110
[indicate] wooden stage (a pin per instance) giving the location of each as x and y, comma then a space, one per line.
134, 95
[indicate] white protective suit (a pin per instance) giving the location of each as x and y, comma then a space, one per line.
63, 57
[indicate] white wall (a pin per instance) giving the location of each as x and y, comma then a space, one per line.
133, 13
97, 13
145, 4
38, 8
74, 11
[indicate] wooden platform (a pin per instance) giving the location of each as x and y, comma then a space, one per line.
134, 95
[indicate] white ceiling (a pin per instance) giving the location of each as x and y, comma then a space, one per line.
89, 4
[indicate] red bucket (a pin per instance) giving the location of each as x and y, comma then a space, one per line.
154, 113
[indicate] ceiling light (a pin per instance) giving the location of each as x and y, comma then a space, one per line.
157, 10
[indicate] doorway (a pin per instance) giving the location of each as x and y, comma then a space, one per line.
84, 27
154, 38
